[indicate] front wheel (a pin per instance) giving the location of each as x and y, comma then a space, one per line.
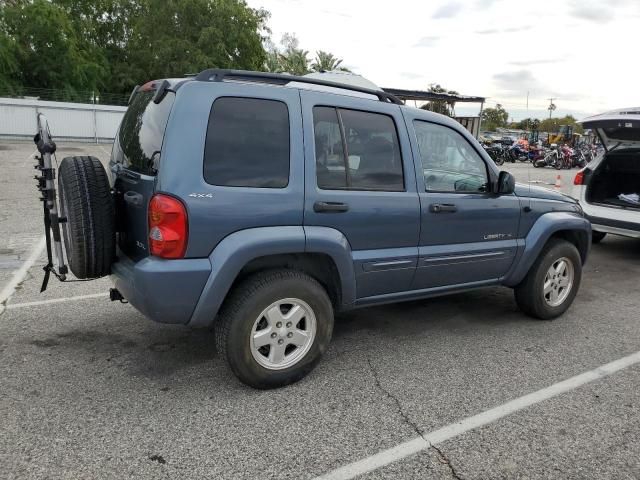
557, 163
274, 328
552, 283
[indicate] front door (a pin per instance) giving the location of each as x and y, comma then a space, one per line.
360, 180
468, 234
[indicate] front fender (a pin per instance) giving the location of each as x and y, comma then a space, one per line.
233, 253
543, 229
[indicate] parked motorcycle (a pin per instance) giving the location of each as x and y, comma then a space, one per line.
551, 158
497, 152
517, 152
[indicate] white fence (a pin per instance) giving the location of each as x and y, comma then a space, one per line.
69, 121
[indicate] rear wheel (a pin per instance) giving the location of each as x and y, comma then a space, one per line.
274, 328
87, 205
597, 237
552, 283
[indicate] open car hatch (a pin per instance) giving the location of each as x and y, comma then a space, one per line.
617, 128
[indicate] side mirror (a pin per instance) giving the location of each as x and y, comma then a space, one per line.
506, 183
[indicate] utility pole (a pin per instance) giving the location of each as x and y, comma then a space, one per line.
551, 108
527, 127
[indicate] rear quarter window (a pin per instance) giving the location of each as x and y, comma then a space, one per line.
247, 143
139, 140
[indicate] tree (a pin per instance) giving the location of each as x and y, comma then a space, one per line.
445, 107
47, 49
326, 62
171, 38
290, 58
493, 118
9, 67
553, 124
108, 26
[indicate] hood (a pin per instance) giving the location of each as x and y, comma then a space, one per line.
533, 191
617, 128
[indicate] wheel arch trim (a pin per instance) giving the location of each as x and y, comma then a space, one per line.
238, 249
559, 224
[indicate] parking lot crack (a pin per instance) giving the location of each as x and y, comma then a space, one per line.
394, 399
407, 420
445, 460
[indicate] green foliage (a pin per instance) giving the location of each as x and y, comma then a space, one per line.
493, 118
47, 50
553, 124
325, 62
173, 37
290, 58
548, 124
112, 45
445, 107
9, 67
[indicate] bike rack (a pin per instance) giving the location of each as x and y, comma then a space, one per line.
47, 187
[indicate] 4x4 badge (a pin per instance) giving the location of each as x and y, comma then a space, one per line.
201, 195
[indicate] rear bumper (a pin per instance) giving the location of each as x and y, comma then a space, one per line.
165, 291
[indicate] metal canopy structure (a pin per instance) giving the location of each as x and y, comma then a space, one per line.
424, 96
471, 123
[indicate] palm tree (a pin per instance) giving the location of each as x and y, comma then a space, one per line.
445, 107
295, 61
326, 62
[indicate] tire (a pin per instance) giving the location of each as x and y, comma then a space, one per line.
87, 204
243, 313
530, 295
597, 237
498, 160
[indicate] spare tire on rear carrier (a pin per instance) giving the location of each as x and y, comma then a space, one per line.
86, 203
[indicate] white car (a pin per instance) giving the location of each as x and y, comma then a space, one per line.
608, 188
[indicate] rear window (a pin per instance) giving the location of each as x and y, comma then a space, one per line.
247, 143
139, 139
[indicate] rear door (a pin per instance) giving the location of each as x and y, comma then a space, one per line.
359, 179
134, 166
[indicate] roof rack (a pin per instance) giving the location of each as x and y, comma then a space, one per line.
218, 75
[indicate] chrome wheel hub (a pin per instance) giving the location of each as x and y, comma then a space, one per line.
558, 282
283, 334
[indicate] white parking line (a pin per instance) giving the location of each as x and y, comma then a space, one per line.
56, 300
20, 274
418, 444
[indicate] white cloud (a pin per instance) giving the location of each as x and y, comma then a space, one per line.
579, 52
448, 10
426, 42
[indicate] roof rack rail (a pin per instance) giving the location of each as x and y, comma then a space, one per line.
218, 75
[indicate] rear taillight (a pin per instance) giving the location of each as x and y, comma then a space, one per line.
168, 227
579, 178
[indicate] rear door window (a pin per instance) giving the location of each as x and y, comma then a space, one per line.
139, 140
247, 143
356, 150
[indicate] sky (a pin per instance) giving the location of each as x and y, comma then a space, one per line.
583, 53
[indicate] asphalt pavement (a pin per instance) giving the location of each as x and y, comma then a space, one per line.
91, 389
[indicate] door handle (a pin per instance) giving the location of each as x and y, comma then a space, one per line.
328, 207
133, 198
443, 208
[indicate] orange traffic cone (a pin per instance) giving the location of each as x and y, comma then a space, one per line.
558, 184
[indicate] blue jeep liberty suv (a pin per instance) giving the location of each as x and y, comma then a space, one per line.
261, 204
